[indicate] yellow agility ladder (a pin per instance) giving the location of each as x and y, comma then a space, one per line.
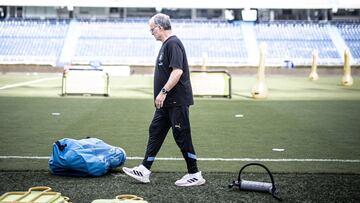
122, 199
39, 194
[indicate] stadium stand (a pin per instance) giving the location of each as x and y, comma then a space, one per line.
31, 41
117, 43
221, 41
295, 41
58, 42
350, 32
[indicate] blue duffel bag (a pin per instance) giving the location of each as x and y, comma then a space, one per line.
85, 157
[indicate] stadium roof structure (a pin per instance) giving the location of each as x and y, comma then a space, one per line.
204, 4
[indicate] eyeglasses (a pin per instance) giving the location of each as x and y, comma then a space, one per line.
153, 29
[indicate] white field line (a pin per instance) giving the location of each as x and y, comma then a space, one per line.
210, 159
27, 83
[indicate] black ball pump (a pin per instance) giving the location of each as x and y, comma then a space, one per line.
255, 185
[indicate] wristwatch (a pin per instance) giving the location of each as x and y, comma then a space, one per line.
164, 91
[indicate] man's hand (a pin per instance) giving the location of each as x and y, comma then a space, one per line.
159, 101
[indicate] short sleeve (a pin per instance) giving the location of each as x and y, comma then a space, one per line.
176, 55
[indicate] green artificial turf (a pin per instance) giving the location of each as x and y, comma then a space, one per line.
291, 187
305, 129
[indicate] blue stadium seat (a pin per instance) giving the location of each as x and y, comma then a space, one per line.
129, 42
350, 31
31, 41
295, 41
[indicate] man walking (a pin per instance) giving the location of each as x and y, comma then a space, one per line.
172, 98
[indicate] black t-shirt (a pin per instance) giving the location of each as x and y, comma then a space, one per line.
172, 55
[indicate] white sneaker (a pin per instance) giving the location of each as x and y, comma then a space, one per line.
191, 180
140, 173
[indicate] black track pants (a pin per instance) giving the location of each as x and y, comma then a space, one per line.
176, 118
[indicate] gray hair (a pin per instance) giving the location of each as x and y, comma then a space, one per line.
161, 20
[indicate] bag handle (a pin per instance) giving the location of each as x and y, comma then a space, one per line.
128, 197
40, 188
60, 146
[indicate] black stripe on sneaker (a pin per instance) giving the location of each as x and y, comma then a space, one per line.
138, 173
192, 180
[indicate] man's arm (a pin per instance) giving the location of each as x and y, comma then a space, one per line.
172, 81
